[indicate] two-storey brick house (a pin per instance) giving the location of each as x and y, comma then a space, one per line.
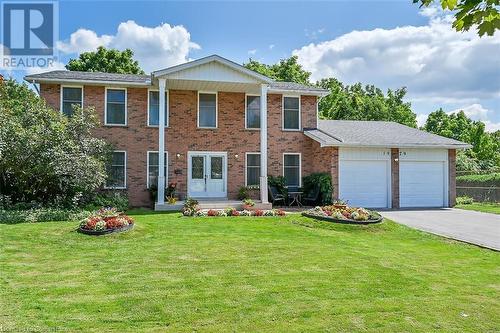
222, 126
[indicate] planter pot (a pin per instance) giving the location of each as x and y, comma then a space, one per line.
105, 231
342, 221
247, 207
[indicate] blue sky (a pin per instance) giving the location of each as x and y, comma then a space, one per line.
388, 43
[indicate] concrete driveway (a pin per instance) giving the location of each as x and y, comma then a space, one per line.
482, 229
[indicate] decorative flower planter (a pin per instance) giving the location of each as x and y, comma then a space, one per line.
105, 231
343, 214
343, 221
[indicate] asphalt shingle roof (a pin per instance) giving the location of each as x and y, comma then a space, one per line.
278, 85
91, 76
376, 133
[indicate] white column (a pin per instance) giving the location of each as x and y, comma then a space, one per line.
263, 143
161, 143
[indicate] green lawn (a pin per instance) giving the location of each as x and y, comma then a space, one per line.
484, 207
174, 274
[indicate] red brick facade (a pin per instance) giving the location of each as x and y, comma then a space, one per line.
183, 135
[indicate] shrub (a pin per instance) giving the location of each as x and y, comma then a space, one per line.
190, 207
280, 184
42, 215
484, 178
324, 181
109, 199
243, 193
465, 200
249, 202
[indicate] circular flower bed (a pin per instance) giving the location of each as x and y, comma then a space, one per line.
344, 214
105, 221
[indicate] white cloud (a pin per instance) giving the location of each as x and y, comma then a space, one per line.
421, 119
252, 52
433, 61
154, 47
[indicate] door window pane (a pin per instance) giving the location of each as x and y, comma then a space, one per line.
291, 169
197, 167
115, 107
154, 107
291, 113
253, 112
253, 169
207, 110
216, 167
71, 96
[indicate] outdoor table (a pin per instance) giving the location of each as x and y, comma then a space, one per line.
295, 195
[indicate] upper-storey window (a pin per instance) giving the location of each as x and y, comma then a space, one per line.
207, 110
154, 108
116, 106
71, 96
291, 113
253, 112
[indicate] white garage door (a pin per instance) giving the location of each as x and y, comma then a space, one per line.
422, 184
364, 177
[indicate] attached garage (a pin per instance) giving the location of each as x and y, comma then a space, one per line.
423, 178
388, 165
364, 177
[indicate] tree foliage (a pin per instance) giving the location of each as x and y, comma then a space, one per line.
286, 70
468, 13
106, 60
485, 152
364, 103
45, 156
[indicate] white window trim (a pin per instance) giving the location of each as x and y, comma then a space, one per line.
300, 166
216, 109
246, 167
246, 110
283, 114
106, 107
147, 167
61, 93
125, 174
167, 119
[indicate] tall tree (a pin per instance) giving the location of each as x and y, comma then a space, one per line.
364, 103
106, 60
485, 146
481, 13
287, 70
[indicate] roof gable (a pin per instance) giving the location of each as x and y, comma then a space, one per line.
212, 68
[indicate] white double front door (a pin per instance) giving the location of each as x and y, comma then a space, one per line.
207, 174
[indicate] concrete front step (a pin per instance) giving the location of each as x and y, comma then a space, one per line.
212, 204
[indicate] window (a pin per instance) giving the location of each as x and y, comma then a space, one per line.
71, 96
207, 110
253, 112
153, 163
117, 172
291, 169
154, 108
116, 107
253, 169
291, 113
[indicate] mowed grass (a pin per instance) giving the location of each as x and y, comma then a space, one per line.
484, 207
175, 274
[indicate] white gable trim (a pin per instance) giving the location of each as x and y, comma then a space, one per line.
213, 58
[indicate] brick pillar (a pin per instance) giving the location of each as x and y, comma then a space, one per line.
395, 177
334, 170
452, 173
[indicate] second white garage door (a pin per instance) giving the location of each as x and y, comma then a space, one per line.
422, 184
364, 177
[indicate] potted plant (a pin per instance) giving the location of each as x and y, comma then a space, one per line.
248, 204
170, 193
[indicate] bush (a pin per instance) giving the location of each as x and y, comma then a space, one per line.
116, 199
243, 193
280, 184
465, 200
42, 215
324, 181
484, 178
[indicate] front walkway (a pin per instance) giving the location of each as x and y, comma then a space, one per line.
482, 229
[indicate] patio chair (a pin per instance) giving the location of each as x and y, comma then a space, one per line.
312, 196
275, 195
